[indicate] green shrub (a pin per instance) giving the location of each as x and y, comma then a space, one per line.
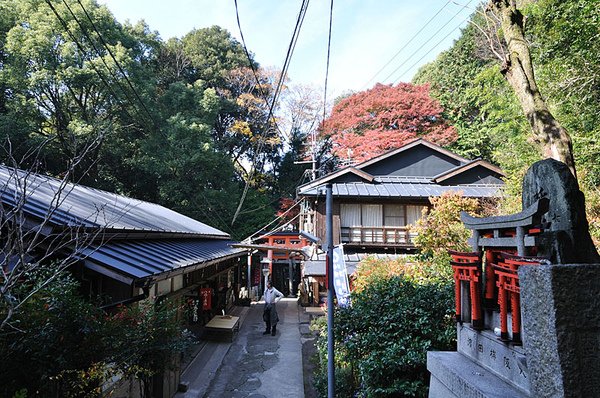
62, 345
440, 228
383, 339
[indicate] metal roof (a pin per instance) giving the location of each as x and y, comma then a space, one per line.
404, 189
129, 260
81, 206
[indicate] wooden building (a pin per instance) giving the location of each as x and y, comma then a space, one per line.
376, 201
122, 249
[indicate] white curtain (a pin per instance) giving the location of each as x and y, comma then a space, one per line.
372, 215
413, 213
350, 215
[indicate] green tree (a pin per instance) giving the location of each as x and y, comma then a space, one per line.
62, 345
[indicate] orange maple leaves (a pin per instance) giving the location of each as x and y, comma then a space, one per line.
385, 117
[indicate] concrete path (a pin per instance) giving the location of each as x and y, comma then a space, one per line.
254, 365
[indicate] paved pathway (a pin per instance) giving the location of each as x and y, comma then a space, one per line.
254, 365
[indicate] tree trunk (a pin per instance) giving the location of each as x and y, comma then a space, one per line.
548, 134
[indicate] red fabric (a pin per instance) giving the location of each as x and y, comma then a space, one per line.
206, 294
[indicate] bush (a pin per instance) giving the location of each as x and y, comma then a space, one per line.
383, 339
64, 346
441, 229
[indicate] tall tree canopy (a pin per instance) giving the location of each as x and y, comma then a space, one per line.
175, 122
481, 104
371, 122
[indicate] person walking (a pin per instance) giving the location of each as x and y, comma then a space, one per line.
270, 317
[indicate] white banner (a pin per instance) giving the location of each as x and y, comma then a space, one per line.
340, 277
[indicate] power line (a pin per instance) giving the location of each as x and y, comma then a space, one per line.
114, 59
287, 60
428, 52
406, 45
276, 218
99, 55
83, 52
428, 40
328, 54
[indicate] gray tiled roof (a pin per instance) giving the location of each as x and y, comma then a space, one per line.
82, 206
403, 189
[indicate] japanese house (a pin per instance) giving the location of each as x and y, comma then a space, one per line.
122, 249
376, 201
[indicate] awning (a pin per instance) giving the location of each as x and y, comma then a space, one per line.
152, 260
316, 267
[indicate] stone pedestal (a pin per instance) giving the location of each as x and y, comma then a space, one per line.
560, 307
482, 366
560, 356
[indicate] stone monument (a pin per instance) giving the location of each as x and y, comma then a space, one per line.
559, 305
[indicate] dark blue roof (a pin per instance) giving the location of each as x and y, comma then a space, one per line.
417, 170
73, 205
136, 241
156, 259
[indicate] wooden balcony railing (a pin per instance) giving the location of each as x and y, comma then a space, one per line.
377, 236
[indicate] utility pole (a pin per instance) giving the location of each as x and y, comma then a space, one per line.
313, 156
329, 264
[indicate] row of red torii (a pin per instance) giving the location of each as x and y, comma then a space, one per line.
501, 244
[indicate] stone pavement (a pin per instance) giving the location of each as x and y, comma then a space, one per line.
253, 365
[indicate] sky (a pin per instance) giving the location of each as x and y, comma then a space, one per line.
371, 40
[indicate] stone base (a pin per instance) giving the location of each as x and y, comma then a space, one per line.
485, 348
453, 375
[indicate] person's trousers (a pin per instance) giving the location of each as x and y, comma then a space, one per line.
267, 318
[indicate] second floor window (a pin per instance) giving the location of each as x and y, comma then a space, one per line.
374, 215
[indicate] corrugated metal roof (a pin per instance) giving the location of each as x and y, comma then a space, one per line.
88, 207
157, 259
404, 190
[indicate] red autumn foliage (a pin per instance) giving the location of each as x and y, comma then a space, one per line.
284, 205
371, 122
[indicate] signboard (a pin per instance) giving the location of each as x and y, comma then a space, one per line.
255, 276
206, 295
340, 277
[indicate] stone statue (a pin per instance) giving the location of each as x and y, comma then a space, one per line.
568, 240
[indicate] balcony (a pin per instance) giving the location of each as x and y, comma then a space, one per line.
378, 236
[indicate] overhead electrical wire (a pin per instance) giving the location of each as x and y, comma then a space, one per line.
405, 45
279, 85
429, 52
296, 203
83, 51
105, 45
328, 57
428, 40
324, 110
100, 55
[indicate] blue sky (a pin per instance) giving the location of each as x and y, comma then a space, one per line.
366, 34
